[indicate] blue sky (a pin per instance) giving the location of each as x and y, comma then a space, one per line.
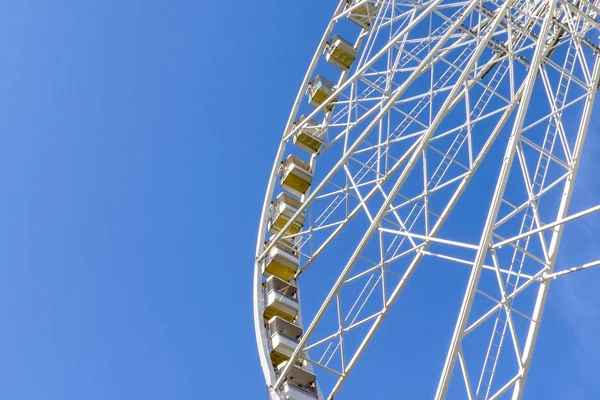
137, 141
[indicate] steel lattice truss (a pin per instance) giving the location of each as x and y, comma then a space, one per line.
434, 86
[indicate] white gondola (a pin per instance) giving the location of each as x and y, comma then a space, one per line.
281, 211
363, 12
319, 90
300, 384
340, 53
284, 339
280, 299
281, 261
295, 175
310, 135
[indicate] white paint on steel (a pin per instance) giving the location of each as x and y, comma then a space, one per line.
392, 62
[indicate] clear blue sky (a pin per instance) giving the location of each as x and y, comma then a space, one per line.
137, 138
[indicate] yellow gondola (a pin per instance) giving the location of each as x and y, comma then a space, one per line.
310, 135
280, 299
340, 53
295, 175
319, 90
363, 14
281, 211
281, 261
284, 337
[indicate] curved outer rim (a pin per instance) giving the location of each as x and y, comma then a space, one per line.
258, 300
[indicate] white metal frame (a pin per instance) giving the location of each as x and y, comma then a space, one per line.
484, 59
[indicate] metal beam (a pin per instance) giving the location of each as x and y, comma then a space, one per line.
571, 270
551, 225
557, 234
486, 236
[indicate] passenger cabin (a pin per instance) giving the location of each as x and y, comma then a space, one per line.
309, 136
281, 211
318, 91
363, 12
295, 175
301, 384
280, 299
281, 261
340, 53
284, 339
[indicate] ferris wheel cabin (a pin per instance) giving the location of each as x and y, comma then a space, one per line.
281, 299
295, 175
301, 384
284, 339
282, 210
281, 261
310, 135
362, 12
340, 53
319, 90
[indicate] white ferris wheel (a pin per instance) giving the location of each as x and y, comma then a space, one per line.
391, 132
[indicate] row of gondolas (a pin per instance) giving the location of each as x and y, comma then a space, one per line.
295, 177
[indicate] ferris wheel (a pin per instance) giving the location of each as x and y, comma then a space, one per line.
405, 104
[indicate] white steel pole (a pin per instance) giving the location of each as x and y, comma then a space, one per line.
557, 235
455, 346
